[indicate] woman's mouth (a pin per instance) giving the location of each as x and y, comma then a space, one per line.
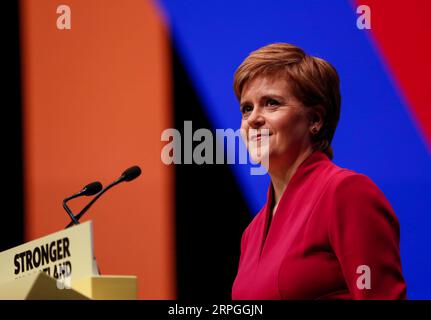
259, 136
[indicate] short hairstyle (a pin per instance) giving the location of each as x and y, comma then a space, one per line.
313, 81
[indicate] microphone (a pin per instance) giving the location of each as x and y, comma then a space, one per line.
128, 175
89, 190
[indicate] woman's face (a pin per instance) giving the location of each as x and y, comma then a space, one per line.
267, 103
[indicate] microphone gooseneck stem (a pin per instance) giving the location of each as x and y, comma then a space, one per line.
79, 215
69, 212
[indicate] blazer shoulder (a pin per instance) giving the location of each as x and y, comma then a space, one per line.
345, 179
349, 192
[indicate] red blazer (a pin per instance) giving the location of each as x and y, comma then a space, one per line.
334, 236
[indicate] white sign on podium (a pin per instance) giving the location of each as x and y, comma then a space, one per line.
66, 254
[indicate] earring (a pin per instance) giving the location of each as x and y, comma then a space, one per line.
314, 130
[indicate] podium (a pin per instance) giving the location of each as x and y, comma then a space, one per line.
60, 266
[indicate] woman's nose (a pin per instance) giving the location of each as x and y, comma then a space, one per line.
256, 119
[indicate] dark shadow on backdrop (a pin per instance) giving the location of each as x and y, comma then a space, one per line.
11, 230
211, 213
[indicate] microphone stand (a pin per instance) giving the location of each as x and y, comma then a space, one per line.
79, 215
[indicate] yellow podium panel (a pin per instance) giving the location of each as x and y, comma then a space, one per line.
108, 287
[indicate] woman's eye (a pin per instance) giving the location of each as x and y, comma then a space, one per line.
246, 109
272, 102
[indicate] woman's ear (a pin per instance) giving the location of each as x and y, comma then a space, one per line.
316, 119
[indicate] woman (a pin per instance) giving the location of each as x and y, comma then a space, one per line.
325, 232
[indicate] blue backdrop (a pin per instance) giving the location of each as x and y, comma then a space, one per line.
376, 135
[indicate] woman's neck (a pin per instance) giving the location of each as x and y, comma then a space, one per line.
281, 176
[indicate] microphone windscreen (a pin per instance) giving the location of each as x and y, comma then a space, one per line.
131, 173
92, 188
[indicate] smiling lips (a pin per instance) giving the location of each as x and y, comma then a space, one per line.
258, 136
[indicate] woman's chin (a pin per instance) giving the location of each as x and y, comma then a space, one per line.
261, 158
